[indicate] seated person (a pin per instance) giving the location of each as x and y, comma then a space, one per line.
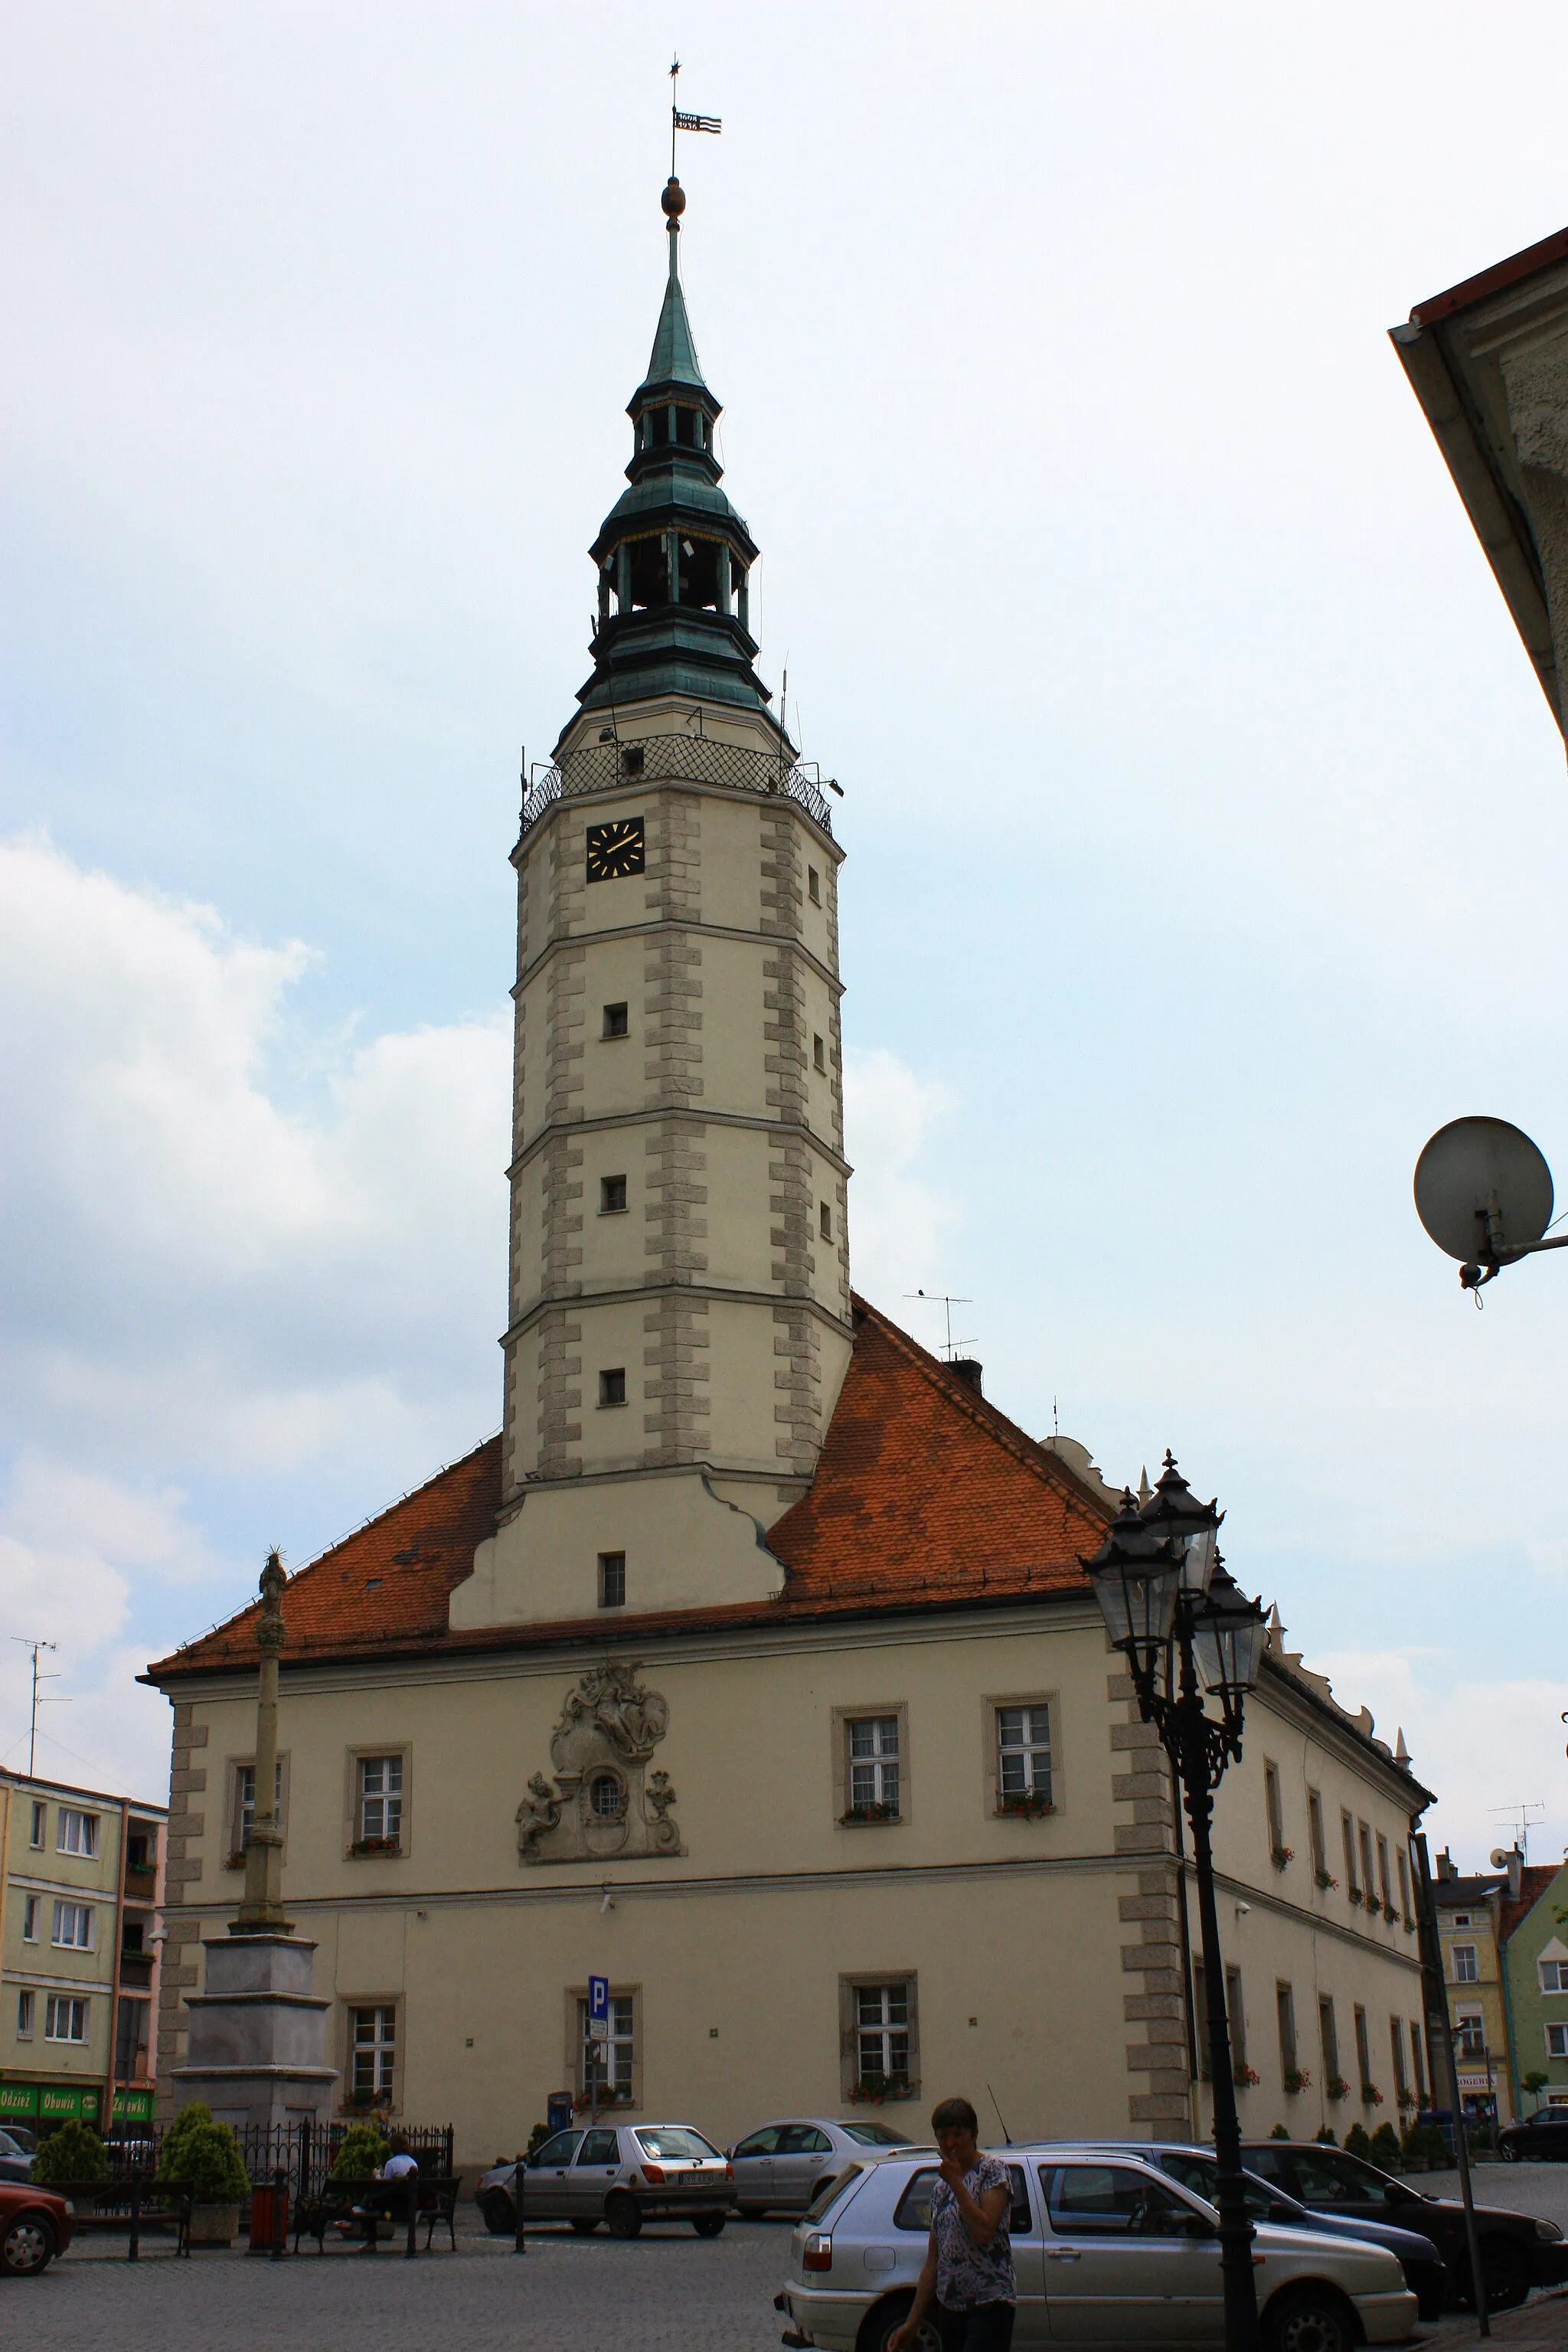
392, 2202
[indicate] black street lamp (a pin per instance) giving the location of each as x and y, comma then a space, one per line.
1190, 1636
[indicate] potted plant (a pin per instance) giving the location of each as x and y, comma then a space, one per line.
204, 2155
1245, 2075
1370, 2096
366, 2103
871, 2090
1297, 2079
871, 1812
1358, 2142
376, 1845
1325, 1878
1282, 1855
1390, 1914
74, 2152
234, 1860
1336, 2087
1353, 1895
1025, 1804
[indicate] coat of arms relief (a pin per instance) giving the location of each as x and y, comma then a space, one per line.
603, 1804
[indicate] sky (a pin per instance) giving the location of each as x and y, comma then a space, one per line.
1206, 829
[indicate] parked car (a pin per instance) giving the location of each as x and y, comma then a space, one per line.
779, 2168
621, 2174
1107, 2250
34, 2226
16, 2161
1542, 2136
1517, 2251
1425, 2273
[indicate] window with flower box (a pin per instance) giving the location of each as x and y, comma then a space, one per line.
880, 2043
380, 1818
870, 1767
1023, 1733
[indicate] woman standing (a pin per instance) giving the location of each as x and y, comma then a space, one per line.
967, 2282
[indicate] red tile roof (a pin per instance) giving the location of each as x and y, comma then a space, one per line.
1534, 1881
925, 1496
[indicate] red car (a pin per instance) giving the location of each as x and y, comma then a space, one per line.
34, 2226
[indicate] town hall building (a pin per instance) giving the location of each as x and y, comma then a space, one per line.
753, 1666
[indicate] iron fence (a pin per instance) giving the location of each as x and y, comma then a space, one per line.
304, 2150
675, 759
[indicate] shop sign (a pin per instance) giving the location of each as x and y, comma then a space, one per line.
18, 2099
59, 2103
134, 2107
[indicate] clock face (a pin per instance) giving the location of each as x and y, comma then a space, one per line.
614, 849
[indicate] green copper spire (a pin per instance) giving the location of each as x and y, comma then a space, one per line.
672, 555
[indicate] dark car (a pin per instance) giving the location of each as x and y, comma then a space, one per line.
34, 2226
1542, 2136
1517, 2251
1425, 2273
16, 2161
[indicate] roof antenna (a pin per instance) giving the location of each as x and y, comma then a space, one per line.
1006, 2135
1056, 1425
939, 1299
29, 1643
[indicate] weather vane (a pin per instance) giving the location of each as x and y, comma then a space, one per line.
678, 122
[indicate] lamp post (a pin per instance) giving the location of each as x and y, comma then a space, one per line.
1190, 1636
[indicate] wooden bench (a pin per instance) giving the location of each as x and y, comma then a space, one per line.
434, 2201
135, 2206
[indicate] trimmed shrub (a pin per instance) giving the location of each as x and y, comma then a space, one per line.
75, 2152
366, 2148
190, 2120
1278, 2132
1386, 2150
1324, 2138
1358, 2141
205, 2156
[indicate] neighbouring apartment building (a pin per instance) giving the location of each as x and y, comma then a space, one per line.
1535, 1921
753, 1666
1469, 1935
78, 1956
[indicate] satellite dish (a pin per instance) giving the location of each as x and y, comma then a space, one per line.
1482, 1190
1499, 1857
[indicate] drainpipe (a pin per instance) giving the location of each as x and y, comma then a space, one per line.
1515, 2095
106, 2121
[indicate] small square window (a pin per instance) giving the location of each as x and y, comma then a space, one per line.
818, 1054
825, 1221
612, 1580
616, 1021
36, 1834
611, 1196
814, 886
613, 1386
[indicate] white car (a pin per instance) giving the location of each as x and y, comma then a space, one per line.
1107, 2250
780, 2168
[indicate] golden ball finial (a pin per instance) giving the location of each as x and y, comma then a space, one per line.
673, 199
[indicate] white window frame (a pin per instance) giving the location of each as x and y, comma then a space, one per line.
26, 2010
75, 2010
72, 1926
1460, 1954
1557, 2041
378, 2047
242, 1808
1028, 1748
39, 1827
1560, 1975
1470, 2027
76, 1832
881, 2021
29, 1918
874, 1766
388, 1797
618, 2054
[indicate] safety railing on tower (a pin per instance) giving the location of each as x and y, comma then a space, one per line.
675, 759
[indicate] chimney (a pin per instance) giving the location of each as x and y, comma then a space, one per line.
1447, 1866
1515, 1875
968, 1370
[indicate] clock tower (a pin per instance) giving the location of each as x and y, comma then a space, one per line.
679, 1317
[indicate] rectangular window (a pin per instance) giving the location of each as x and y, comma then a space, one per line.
1557, 2041
76, 1834
1329, 2036
1024, 1753
1274, 1808
1384, 1885
614, 2056
611, 1196
24, 2017
131, 2040
1363, 2046
1396, 2050
1460, 1919
29, 1918
613, 1386
1367, 1881
244, 1801
814, 886
1315, 1832
1235, 2010
1352, 1877
73, 1926
818, 1054
882, 2032
1470, 2027
615, 1022
1467, 1968
612, 1580
1285, 2007
380, 1799
1403, 1884
874, 1767
825, 1221
65, 2018
36, 1834
375, 2051
1418, 2061
1553, 1975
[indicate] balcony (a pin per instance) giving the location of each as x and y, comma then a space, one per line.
675, 759
140, 1883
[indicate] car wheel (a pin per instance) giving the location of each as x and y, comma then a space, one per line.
750, 2212
1505, 2271
584, 2223
497, 2213
622, 2214
882, 2321
1509, 2151
26, 2247
1309, 2319
708, 2225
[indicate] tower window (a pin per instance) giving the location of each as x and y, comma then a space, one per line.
613, 1386
818, 1054
814, 886
612, 1580
615, 1022
825, 1221
611, 1196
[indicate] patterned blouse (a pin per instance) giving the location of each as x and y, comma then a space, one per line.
967, 2274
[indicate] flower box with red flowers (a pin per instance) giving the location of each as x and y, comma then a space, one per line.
1337, 2087
1282, 1854
1024, 1804
376, 1845
1297, 2079
876, 1812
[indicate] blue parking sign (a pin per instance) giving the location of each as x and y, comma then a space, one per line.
598, 1996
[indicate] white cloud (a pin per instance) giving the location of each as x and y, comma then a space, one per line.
901, 1225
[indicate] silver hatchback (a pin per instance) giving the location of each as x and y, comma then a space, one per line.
779, 2168
620, 2173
